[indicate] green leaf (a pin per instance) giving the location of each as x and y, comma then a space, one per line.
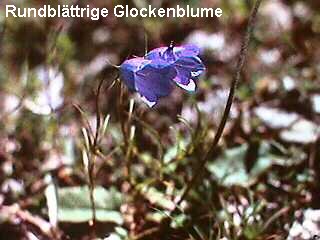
158, 198
230, 168
74, 204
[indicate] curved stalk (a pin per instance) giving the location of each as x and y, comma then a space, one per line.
235, 80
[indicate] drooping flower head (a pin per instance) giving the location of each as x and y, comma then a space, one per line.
185, 60
151, 79
153, 76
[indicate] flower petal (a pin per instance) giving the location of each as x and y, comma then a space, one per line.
188, 50
146, 101
154, 80
169, 54
128, 69
156, 53
188, 68
190, 87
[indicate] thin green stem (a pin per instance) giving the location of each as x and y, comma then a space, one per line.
236, 78
94, 152
98, 120
91, 190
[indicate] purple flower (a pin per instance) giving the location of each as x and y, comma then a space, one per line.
185, 60
152, 79
153, 75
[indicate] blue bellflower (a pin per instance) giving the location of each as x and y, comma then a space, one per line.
153, 76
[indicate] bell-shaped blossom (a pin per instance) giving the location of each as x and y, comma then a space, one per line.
185, 60
151, 79
153, 76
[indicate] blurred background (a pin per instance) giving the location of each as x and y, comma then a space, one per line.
262, 183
